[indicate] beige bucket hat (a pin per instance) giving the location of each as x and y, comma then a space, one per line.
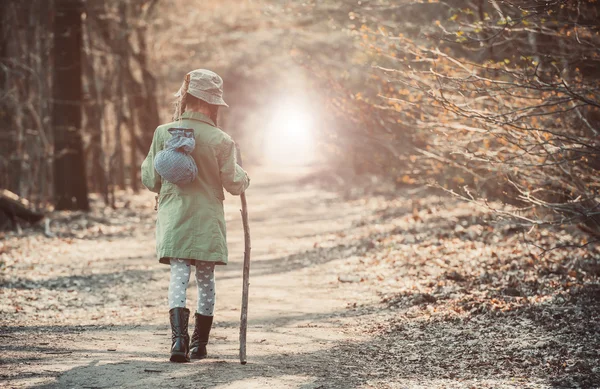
205, 85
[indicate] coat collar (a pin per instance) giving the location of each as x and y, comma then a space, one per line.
197, 116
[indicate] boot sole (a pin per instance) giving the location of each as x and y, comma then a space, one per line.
179, 357
194, 353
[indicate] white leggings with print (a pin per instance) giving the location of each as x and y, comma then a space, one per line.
205, 280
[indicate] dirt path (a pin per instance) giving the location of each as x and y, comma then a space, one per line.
103, 334
408, 291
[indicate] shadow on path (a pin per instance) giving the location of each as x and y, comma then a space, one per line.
514, 348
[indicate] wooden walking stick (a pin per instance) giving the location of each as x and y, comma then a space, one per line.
246, 275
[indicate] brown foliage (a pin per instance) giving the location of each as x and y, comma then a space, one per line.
499, 98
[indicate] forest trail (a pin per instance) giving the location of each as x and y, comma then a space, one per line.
414, 290
297, 309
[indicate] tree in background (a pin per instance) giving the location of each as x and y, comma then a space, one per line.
70, 184
25, 99
493, 99
102, 121
121, 92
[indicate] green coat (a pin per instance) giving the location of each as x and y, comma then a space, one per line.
191, 222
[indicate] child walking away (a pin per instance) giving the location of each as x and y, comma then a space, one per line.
189, 163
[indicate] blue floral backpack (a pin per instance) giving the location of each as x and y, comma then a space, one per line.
174, 163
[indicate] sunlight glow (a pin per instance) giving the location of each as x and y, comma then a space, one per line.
289, 138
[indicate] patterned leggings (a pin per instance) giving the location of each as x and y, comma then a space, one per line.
205, 280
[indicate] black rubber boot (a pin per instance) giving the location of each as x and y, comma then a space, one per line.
200, 336
180, 346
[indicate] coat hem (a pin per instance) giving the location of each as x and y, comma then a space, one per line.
165, 255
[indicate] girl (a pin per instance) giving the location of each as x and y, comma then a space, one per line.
190, 227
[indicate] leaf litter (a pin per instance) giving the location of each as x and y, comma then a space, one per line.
463, 300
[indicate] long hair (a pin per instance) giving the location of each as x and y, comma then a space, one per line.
186, 99
191, 101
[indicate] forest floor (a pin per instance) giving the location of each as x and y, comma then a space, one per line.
417, 290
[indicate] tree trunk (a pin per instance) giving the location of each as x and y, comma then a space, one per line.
147, 107
7, 128
69, 165
133, 167
44, 39
118, 156
94, 113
